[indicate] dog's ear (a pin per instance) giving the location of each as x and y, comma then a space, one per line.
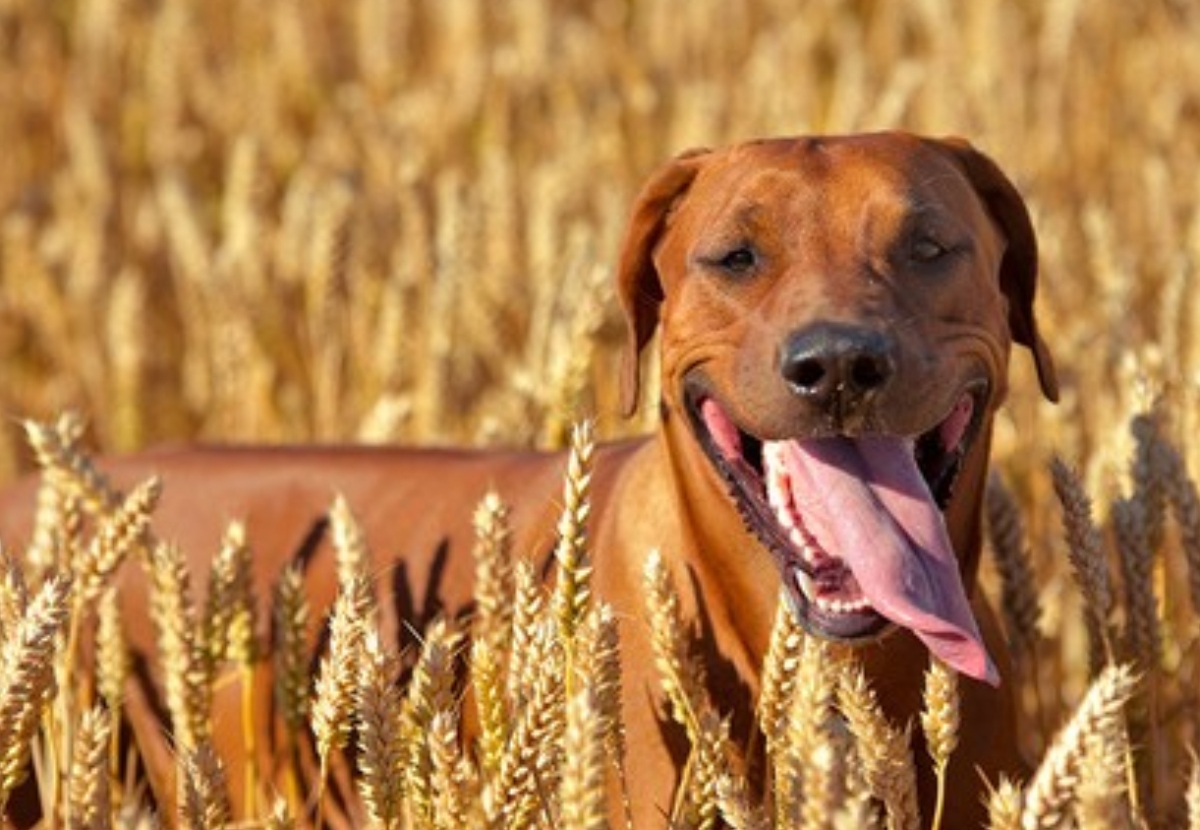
1019, 268
638, 285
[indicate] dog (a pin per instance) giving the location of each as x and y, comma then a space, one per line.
835, 317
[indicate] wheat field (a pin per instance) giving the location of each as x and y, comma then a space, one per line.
395, 222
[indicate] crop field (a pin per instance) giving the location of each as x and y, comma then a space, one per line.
395, 221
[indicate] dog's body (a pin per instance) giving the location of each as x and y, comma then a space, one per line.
822, 303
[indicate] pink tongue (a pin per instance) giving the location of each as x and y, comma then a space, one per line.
865, 501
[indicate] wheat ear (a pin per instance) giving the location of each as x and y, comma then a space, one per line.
582, 788
808, 780
736, 807
527, 610
89, 799
337, 680
1019, 594
121, 531
205, 803
452, 777
27, 684
380, 745
1088, 565
883, 749
572, 590
1132, 532
184, 666
940, 721
431, 690
532, 761
1054, 785
681, 674
1004, 806
780, 671
1185, 506
493, 573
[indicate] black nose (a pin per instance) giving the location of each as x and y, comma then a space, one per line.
837, 366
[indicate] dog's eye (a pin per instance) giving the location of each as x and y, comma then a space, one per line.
927, 249
738, 261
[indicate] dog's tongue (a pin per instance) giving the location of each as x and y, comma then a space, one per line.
864, 500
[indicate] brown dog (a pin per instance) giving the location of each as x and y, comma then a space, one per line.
835, 317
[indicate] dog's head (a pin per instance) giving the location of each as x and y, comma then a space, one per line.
836, 321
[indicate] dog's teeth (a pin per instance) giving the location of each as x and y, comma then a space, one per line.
806, 585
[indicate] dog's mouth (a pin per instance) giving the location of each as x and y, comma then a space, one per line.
855, 524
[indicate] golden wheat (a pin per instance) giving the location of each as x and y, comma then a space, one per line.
28, 683
321, 235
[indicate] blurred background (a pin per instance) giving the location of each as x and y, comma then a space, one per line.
396, 221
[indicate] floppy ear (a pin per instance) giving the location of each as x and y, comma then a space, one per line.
638, 285
1019, 267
